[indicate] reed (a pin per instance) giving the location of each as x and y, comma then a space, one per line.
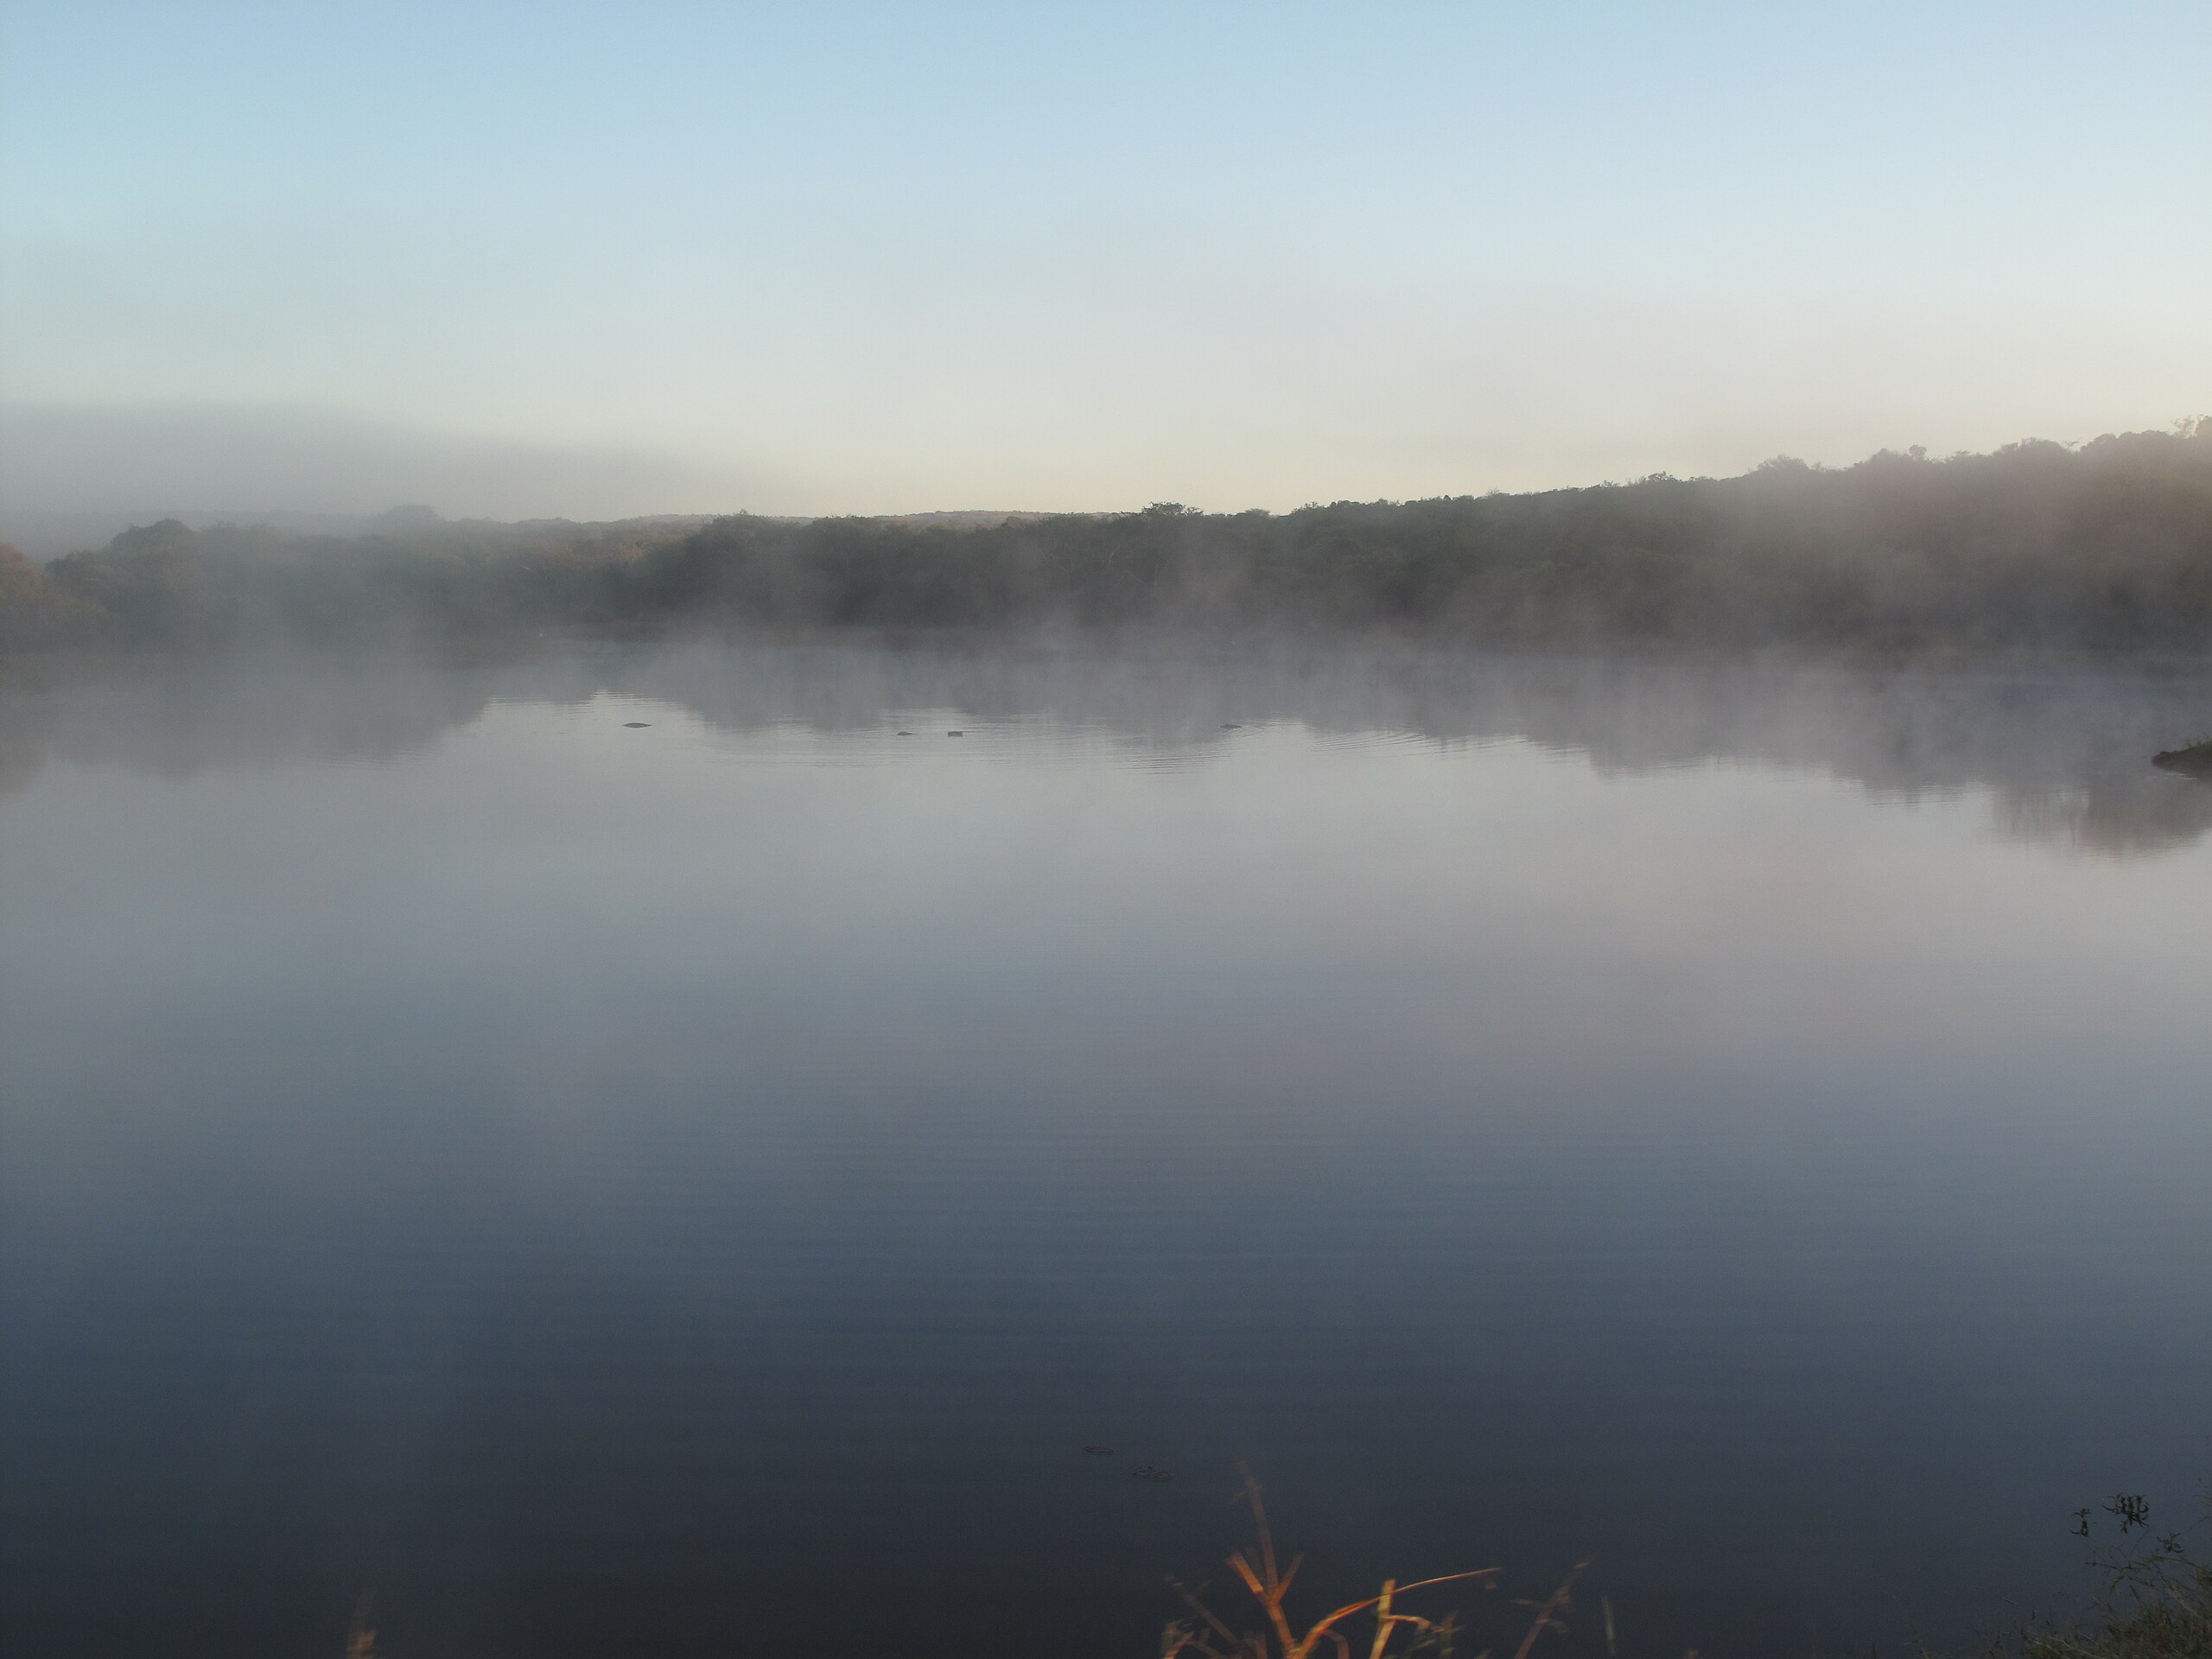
360, 1639
2157, 1602
1395, 1633
2158, 1607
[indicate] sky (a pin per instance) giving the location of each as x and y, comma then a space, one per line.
595, 259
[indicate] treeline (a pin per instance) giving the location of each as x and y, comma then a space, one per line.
2103, 548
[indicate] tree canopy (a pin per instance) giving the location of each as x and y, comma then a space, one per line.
2104, 547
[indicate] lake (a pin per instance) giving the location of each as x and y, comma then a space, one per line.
696, 1186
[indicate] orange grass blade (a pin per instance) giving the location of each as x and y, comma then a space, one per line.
1260, 1519
1453, 1578
1191, 1599
1384, 1624
1558, 1602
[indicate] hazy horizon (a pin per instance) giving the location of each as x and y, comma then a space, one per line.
326, 475
581, 261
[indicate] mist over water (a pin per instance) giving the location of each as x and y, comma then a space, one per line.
2055, 751
696, 1186
798, 803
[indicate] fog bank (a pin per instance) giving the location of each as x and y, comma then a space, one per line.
2105, 549
2062, 754
73, 477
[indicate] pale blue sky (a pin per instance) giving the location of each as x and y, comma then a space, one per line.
831, 257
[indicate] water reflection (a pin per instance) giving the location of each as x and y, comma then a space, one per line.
699, 1187
2064, 752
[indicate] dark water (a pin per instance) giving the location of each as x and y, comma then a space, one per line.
695, 1189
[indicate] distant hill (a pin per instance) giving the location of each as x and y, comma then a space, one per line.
2107, 547
975, 519
41, 536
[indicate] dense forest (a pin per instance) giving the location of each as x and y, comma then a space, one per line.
2105, 547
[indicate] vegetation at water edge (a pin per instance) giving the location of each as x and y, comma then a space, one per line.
2105, 547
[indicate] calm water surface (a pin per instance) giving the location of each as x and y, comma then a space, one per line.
696, 1188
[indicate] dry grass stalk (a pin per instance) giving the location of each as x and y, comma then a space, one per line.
1205, 1635
360, 1640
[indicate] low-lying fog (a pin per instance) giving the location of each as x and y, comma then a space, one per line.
2061, 752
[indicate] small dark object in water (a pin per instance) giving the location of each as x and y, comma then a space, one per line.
1098, 1450
955, 733
906, 733
2195, 759
1148, 1471
1232, 725
636, 724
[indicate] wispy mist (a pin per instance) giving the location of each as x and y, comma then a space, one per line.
2061, 751
72, 476
2037, 546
